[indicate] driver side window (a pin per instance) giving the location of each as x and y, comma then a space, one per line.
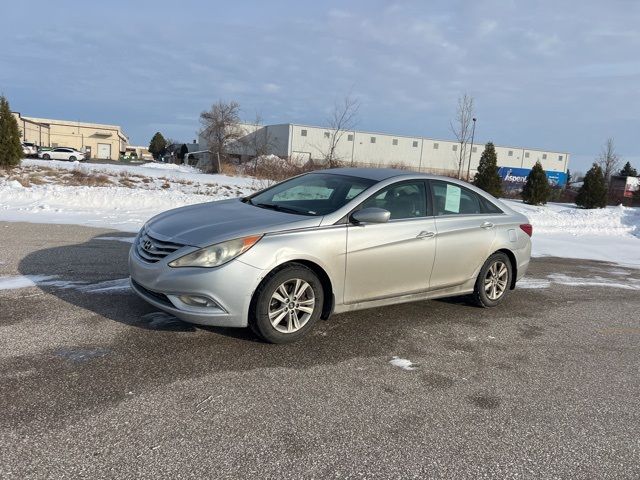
403, 200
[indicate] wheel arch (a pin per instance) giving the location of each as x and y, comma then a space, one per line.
514, 265
328, 303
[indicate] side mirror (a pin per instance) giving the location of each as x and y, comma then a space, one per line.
371, 215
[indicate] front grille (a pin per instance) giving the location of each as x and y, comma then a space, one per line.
151, 249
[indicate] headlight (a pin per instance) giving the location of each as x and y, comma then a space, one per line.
217, 254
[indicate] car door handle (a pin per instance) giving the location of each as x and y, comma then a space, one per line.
425, 234
487, 225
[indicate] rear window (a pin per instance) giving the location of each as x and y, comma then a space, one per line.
451, 199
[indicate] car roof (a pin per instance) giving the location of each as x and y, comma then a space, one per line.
377, 174
380, 174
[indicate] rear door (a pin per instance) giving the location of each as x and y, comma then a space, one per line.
393, 258
58, 154
465, 234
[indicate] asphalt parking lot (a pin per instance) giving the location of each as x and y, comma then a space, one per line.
95, 383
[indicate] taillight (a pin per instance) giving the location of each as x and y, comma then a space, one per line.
527, 228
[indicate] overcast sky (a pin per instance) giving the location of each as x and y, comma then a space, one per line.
558, 75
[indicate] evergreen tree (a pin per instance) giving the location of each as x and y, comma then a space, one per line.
537, 189
487, 177
10, 144
158, 145
184, 150
628, 171
593, 192
569, 178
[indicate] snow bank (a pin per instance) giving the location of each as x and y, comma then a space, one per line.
108, 207
171, 166
609, 234
116, 207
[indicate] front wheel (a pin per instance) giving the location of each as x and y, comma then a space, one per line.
72, 158
493, 281
46, 156
287, 304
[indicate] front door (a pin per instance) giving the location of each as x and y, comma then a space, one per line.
394, 258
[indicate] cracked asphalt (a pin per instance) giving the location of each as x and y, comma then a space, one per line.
95, 383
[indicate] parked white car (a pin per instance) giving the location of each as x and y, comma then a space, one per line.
62, 153
29, 149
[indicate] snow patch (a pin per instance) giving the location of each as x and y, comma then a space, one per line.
403, 363
596, 281
562, 279
108, 286
22, 281
15, 282
533, 283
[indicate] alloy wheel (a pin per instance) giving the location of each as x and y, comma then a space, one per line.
291, 305
495, 282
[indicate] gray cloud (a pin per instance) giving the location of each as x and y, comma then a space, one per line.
559, 75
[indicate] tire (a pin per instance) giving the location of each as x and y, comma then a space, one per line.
72, 158
46, 156
278, 321
492, 285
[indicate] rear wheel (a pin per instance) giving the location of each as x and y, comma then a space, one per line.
493, 281
287, 304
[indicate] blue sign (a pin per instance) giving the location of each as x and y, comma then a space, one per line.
513, 175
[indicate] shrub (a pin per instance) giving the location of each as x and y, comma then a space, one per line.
487, 177
10, 144
537, 189
593, 192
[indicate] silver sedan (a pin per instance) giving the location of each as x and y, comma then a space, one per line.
327, 242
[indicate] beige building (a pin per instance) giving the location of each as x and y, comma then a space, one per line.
99, 140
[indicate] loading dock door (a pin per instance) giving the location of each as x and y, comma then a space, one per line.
104, 150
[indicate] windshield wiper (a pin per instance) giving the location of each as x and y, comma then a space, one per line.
280, 208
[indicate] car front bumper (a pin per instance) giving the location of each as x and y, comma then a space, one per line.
229, 286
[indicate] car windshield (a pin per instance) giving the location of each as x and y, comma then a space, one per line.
311, 194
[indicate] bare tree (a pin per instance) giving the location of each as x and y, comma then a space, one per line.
461, 127
344, 118
259, 142
220, 128
608, 160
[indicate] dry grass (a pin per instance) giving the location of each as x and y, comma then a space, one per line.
166, 185
36, 179
276, 169
82, 179
127, 182
22, 180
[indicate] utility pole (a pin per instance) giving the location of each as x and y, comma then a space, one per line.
473, 132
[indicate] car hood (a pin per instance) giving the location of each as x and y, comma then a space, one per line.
214, 222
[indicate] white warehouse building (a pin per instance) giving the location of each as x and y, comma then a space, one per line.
358, 148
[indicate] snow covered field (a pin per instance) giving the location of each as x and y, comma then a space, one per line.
130, 195
126, 197
610, 234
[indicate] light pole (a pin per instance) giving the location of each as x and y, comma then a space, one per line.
473, 132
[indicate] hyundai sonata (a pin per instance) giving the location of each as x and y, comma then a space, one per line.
327, 242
